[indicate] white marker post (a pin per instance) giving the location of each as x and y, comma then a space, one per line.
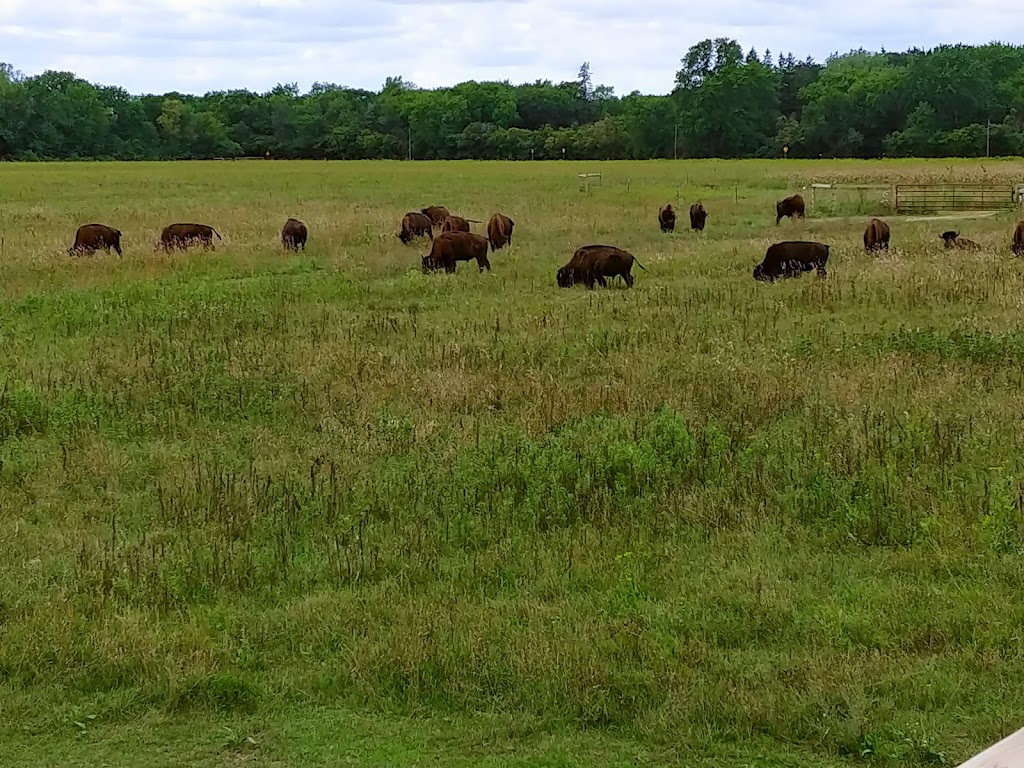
1008, 753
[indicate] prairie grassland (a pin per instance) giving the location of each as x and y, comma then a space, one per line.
317, 508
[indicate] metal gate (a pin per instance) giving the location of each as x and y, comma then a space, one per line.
936, 198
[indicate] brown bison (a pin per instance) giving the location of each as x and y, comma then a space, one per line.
437, 214
455, 224
415, 225
876, 236
793, 207
91, 237
499, 231
452, 247
667, 218
698, 215
791, 259
294, 235
594, 263
1018, 240
953, 240
184, 235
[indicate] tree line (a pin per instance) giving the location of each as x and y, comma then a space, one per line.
954, 100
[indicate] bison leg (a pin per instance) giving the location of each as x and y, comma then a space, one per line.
822, 272
484, 263
628, 278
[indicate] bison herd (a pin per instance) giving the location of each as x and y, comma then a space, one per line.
589, 265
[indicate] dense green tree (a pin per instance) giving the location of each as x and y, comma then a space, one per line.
958, 99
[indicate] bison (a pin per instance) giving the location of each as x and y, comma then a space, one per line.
667, 218
793, 207
294, 235
437, 214
791, 259
455, 224
91, 237
876, 236
451, 247
953, 240
594, 263
1018, 240
499, 231
184, 235
698, 215
415, 225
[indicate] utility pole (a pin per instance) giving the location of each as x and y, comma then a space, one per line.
988, 138
675, 144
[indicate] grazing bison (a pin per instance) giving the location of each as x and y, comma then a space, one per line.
437, 214
594, 263
499, 231
793, 207
698, 215
667, 218
953, 240
294, 235
184, 235
791, 259
415, 225
455, 224
1018, 240
91, 237
876, 236
451, 247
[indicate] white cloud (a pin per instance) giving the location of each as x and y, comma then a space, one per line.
200, 45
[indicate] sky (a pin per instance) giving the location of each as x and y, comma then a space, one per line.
195, 46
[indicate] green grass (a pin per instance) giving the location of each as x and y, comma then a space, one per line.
322, 509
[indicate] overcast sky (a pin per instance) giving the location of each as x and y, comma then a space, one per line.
194, 46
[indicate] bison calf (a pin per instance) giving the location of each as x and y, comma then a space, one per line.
499, 231
792, 259
876, 236
455, 224
667, 218
294, 235
791, 207
595, 263
91, 237
953, 240
437, 214
451, 247
698, 215
415, 225
184, 235
1018, 240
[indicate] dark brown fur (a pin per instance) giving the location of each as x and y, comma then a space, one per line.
1018, 240
437, 214
499, 231
876, 236
953, 240
791, 259
698, 215
455, 224
594, 263
415, 225
667, 218
452, 247
793, 207
294, 235
184, 235
91, 237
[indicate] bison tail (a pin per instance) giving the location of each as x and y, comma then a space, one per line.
217, 234
637, 262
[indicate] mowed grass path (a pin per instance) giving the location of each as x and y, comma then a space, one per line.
308, 509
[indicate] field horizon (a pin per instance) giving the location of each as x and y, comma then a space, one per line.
313, 508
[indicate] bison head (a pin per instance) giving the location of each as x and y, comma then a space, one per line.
566, 277
950, 237
429, 264
760, 274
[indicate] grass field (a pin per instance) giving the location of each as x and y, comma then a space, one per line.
321, 509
